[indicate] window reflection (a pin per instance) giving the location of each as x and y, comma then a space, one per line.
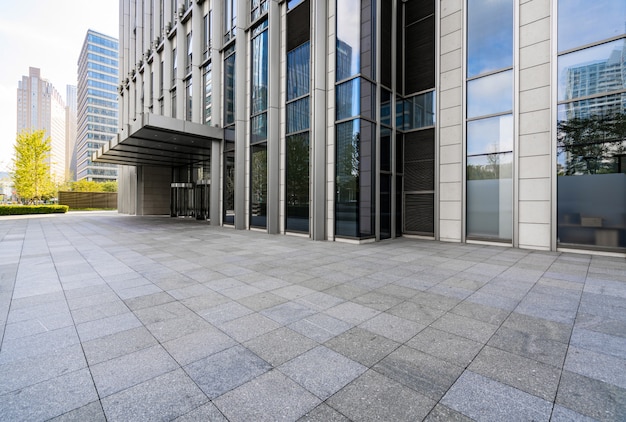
489, 36
297, 182
490, 135
591, 71
348, 99
258, 186
490, 95
418, 111
348, 38
591, 126
582, 22
298, 115
298, 73
229, 89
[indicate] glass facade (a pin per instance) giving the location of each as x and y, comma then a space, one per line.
258, 126
207, 82
355, 176
489, 143
297, 195
591, 122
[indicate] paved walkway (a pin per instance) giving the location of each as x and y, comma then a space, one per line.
111, 317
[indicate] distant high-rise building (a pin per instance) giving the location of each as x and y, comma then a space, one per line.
70, 132
40, 107
97, 104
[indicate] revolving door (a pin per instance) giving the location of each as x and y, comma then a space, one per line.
202, 193
181, 200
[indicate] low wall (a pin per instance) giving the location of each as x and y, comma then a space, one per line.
76, 200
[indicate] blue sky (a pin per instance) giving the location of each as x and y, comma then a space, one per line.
47, 34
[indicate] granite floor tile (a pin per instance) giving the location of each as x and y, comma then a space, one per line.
323, 413
287, 313
198, 345
248, 327
269, 397
386, 399
426, 374
49, 399
362, 346
522, 373
205, 413
596, 365
465, 327
128, 370
446, 346
119, 344
441, 413
322, 371
599, 342
161, 398
109, 325
320, 327
280, 345
226, 370
91, 412
484, 399
529, 345
591, 397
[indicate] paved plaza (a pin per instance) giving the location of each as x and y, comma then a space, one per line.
121, 318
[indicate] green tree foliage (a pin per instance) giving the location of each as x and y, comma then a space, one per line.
31, 166
592, 145
84, 185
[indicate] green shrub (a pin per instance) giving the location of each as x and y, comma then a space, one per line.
32, 209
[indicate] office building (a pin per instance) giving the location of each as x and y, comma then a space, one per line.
41, 107
97, 105
486, 121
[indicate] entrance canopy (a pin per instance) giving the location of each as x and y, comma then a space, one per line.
160, 141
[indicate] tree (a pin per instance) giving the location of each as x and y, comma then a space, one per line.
31, 166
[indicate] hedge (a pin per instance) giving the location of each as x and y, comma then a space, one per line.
32, 209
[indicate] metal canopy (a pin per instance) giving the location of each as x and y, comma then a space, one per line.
160, 141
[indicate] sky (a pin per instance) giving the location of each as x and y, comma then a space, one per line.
47, 34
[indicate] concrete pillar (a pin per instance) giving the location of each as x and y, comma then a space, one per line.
273, 121
241, 145
319, 110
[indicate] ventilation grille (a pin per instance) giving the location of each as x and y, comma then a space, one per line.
419, 211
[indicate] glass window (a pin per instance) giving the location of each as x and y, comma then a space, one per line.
259, 72
293, 3
297, 183
490, 135
489, 196
208, 92
229, 179
418, 111
298, 71
489, 36
258, 128
173, 104
348, 38
354, 203
595, 70
206, 35
174, 66
188, 100
491, 94
298, 115
188, 59
230, 19
582, 22
348, 99
258, 8
229, 89
258, 186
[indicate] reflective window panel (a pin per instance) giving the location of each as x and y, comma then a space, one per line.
581, 22
490, 95
297, 195
491, 135
489, 36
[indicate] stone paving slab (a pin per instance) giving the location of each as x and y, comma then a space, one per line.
106, 317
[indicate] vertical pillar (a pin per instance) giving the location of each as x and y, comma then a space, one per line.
273, 119
241, 145
319, 57
215, 198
